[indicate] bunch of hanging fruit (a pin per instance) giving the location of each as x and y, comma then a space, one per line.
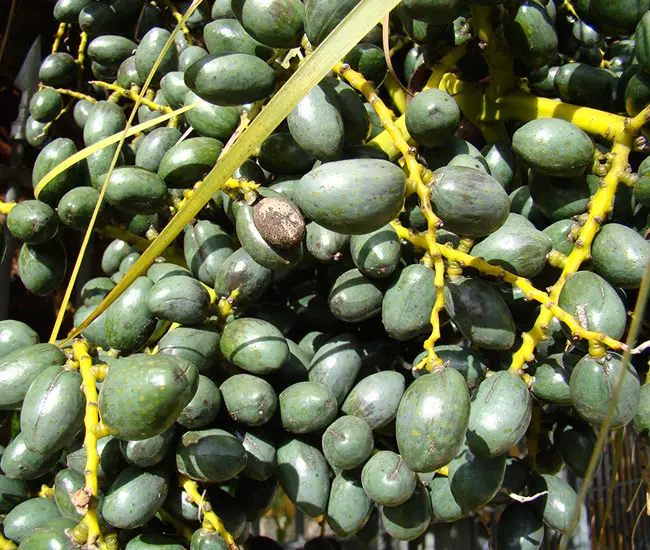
387, 258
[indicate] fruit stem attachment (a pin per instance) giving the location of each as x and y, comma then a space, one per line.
86, 498
212, 521
132, 94
46, 492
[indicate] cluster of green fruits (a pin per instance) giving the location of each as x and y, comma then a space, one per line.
277, 346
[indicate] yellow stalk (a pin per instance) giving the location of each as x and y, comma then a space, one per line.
60, 31
6, 544
5, 207
133, 95
90, 521
211, 519
396, 93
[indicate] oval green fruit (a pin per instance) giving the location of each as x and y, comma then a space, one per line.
230, 78
204, 406
16, 335
409, 520
469, 202
76, 208
53, 154
352, 196
143, 395
347, 442
325, 245
470, 363
18, 462
376, 254
249, 400
575, 442
620, 255
110, 49
432, 117
57, 70
307, 407
348, 508
316, 123
552, 375
475, 481
254, 345
153, 147
280, 154
145, 453
228, 36
135, 497
304, 476
12, 493
432, 420
557, 507
480, 313
355, 297
188, 161
443, 503
261, 454
321, 16
407, 304
242, 273
153, 541
105, 118
179, 299
595, 303
531, 35
129, 323
387, 480
149, 50
499, 415
376, 398
275, 23
20, 522
213, 455
206, 246
198, 345
45, 105
582, 84
53, 410
32, 221
42, 267
592, 386
336, 365
519, 528
135, 190
554, 147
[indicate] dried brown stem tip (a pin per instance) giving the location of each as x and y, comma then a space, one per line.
279, 222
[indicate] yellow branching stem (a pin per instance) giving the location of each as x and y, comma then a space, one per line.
225, 305
86, 499
396, 93
60, 32
81, 51
530, 292
179, 18
5, 207
211, 520
46, 492
415, 185
240, 188
133, 95
73, 93
445, 65
113, 232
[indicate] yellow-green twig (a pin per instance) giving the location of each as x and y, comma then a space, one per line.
133, 94
212, 521
5, 207
60, 31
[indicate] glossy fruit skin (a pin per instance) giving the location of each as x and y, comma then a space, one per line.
12, 493
187, 162
354, 297
254, 345
376, 398
146, 453
260, 447
480, 313
148, 51
554, 147
590, 298
575, 441
557, 507
153, 147
387, 480
203, 539
32, 221
21, 367
304, 476
230, 78
376, 254
53, 410
76, 208
432, 117
18, 462
347, 442
278, 23
129, 323
206, 246
517, 246
316, 123
240, 271
336, 365
204, 406
531, 35
135, 190
552, 377
179, 299
619, 18
470, 363
348, 508
135, 497
500, 413
519, 528
307, 407
45, 105
15, 335
249, 400
620, 254
468, 201
57, 70
432, 420
375, 197
475, 481
409, 520
153, 390
49, 157
18, 523
42, 267
153, 541
582, 84
321, 16
592, 383
212, 455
